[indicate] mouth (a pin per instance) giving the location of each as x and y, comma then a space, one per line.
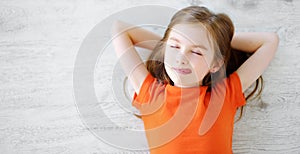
183, 71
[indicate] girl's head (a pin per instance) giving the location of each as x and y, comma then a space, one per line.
195, 46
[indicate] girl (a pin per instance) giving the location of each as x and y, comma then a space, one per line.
193, 81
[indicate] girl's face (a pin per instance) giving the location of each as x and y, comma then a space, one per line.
188, 55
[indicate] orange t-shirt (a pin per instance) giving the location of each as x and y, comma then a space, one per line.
173, 116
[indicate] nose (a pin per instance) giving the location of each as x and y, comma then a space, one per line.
181, 57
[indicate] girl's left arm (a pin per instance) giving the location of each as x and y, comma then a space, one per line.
263, 45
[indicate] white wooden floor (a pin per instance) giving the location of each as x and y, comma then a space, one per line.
39, 42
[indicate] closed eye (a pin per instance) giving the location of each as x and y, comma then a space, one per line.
197, 53
174, 46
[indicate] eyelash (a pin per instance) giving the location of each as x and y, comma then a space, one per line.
174, 46
177, 47
197, 53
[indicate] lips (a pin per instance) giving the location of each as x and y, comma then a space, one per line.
183, 70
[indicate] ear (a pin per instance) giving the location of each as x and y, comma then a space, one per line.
216, 66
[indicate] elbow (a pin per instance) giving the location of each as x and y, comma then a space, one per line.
115, 27
274, 39
118, 26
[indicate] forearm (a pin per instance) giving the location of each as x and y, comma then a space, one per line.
252, 41
137, 36
263, 46
124, 39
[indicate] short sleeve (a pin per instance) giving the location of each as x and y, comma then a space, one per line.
235, 90
144, 93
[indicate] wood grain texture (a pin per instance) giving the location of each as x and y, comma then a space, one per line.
39, 41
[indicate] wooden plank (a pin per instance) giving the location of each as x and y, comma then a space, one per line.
39, 41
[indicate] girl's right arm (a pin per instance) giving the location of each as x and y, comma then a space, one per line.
125, 37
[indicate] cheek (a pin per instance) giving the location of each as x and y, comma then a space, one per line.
199, 62
169, 58
200, 67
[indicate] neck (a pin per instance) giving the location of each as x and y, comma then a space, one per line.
188, 85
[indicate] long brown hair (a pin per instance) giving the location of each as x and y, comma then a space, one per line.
220, 29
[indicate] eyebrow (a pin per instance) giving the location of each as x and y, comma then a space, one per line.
199, 46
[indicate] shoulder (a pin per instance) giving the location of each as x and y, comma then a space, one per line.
234, 80
232, 88
148, 85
